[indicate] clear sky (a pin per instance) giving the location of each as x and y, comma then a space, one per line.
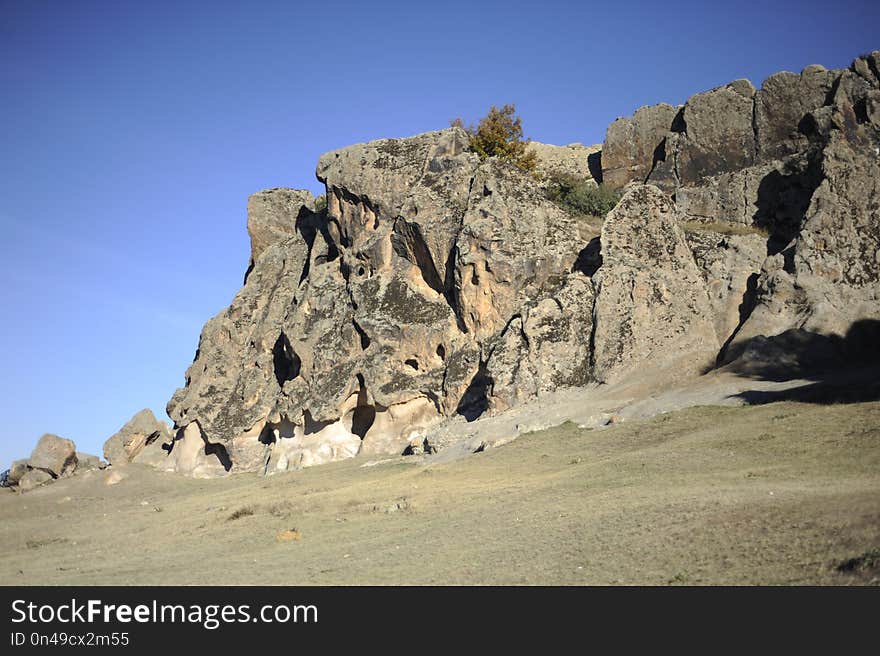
133, 133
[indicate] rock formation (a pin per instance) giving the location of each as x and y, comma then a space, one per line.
652, 306
574, 160
435, 284
53, 457
387, 312
796, 160
140, 440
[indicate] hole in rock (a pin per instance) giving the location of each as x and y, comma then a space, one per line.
286, 361
412, 363
267, 435
364, 414
365, 339
220, 452
594, 162
441, 351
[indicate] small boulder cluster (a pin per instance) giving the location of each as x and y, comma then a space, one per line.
52, 458
143, 440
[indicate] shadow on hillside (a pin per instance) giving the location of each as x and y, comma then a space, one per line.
843, 369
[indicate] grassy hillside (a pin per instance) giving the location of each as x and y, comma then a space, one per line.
775, 494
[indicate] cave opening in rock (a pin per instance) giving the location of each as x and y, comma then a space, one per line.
285, 360
441, 351
220, 452
365, 413
267, 435
412, 362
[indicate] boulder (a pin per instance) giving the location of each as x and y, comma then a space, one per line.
139, 440
16, 470
54, 455
34, 478
88, 462
652, 310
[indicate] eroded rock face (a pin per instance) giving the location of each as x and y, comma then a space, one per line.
435, 284
828, 277
633, 144
54, 455
383, 315
269, 215
652, 308
780, 105
574, 160
796, 161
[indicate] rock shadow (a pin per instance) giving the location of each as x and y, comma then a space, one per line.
843, 369
783, 200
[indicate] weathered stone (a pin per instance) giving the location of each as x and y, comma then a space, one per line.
720, 136
730, 265
652, 310
436, 284
546, 348
574, 160
376, 319
780, 106
139, 440
34, 478
828, 277
728, 197
16, 470
55, 455
633, 144
88, 462
192, 454
272, 216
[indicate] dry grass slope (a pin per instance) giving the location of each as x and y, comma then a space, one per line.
777, 494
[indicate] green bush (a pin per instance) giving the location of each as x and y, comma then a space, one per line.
321, 203
582, 195
499, 134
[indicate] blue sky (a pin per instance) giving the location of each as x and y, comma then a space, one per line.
133, 133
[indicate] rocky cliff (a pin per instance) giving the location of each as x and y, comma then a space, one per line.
436, 285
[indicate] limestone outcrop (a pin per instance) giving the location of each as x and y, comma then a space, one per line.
796, 162
388, 311
652, 304
435, 285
